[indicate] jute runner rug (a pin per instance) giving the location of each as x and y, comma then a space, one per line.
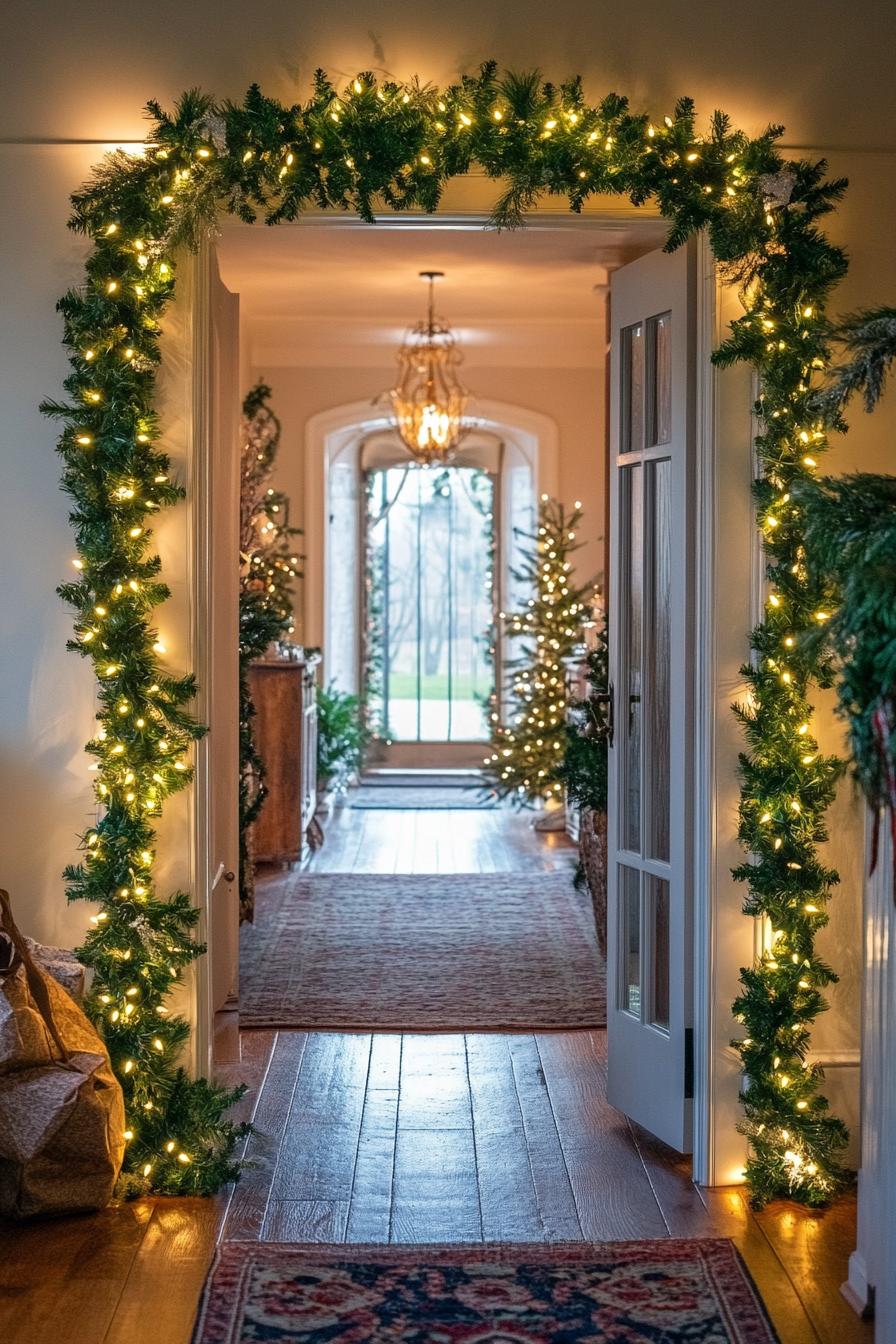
625, 1292
469, 952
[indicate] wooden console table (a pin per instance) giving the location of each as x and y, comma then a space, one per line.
285, 730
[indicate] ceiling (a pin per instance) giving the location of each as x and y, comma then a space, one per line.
317, 293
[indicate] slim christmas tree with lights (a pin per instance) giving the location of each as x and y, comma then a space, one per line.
528, 741
269, 568
269, 565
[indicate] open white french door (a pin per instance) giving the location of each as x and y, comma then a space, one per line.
649, 971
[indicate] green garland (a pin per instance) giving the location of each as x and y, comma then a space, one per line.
851, 537
393, 147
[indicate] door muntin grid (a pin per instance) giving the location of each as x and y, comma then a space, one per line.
645, 469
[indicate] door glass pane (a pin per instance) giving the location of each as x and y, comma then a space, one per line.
429, 657
659, 943
633, 388
660, 398
631, 615
658, 657
630, 925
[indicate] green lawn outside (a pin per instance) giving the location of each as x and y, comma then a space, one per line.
403, 686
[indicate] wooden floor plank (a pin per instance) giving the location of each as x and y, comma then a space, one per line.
507, 1194
62, 1280
158, 1301
307, 1220
613, 1196
244, 1217
669, 1173
316, 1160
814, 1248
434, 1087
371, 1197
557, 1212
435, 1193
370, 1211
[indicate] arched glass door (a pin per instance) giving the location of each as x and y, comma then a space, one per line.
430, 603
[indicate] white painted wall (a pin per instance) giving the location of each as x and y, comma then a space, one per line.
86, 71
46, 694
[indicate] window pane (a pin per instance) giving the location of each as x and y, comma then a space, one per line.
431, 583
633, 388
631, 616
630, 922
660, 343
659, 941
658, 657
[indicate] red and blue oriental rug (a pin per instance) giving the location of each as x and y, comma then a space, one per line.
636, 1292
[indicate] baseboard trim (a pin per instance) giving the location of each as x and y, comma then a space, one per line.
859, 1293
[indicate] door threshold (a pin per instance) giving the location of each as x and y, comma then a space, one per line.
426, 777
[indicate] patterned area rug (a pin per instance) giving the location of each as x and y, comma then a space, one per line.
629, 1292
468, 952
385, 797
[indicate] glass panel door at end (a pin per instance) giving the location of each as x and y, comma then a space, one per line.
431, 575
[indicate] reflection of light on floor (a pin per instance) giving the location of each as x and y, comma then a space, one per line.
467, 721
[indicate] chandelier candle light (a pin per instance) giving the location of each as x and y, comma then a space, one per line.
429, 400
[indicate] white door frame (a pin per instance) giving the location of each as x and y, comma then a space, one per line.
728, 570
727, 547
870, 1282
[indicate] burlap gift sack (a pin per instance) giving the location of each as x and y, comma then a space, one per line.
61, 1107
63, 965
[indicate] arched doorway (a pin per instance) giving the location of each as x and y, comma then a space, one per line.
516, 450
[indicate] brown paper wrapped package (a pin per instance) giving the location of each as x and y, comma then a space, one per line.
61, 1107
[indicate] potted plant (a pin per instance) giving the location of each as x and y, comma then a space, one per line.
584, 776
342, 737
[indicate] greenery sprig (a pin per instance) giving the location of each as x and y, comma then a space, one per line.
385, 146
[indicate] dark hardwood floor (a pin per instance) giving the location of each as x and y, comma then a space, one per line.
413, 1139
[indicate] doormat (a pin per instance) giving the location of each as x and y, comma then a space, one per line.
636, 1292
460, 952
420, 798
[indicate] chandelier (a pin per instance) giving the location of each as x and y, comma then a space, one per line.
429, 400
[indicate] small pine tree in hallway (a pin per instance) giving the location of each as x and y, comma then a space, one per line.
529, 739
268, 571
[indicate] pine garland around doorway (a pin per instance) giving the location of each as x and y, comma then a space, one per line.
387, 146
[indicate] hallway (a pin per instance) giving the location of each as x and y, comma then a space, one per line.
416, 1139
